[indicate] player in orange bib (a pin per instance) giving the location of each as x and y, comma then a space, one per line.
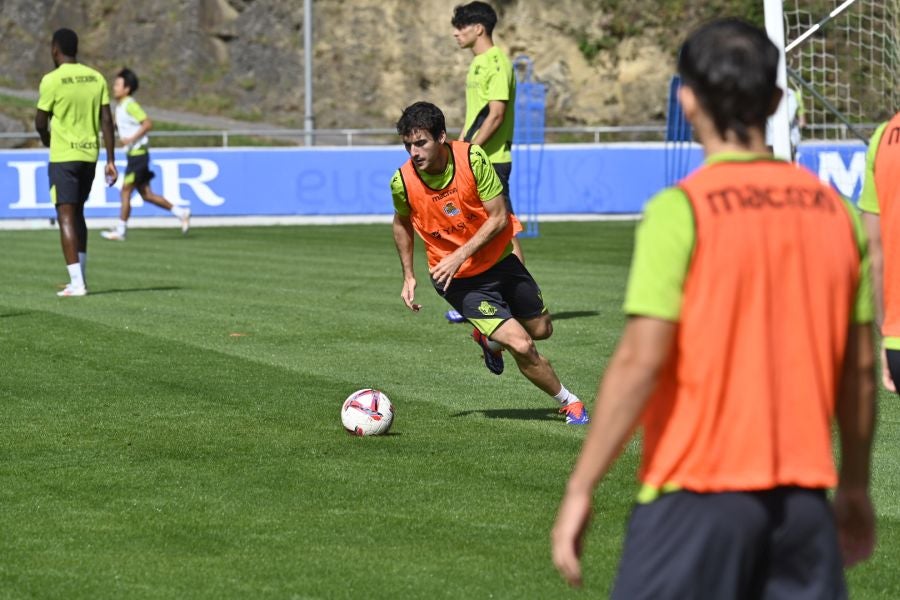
449, 194
749, 331
880, 203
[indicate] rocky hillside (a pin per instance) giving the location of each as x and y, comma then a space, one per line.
605, 61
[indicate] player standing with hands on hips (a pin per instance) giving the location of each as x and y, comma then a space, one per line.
448, 193
76, 98
749, 330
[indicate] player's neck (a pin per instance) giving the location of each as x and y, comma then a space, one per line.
482, 44
732, 144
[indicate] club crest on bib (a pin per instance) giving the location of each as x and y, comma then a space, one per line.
486, 309
450, 209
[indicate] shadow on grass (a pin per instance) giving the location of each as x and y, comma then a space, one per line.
130, 290
380, 435
521, 414
574, 314
16, 314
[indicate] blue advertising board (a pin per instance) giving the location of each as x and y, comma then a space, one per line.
574, 179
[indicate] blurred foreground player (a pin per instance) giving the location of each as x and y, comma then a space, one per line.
749, 329
880, 203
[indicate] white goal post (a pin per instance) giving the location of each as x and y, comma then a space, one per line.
843, 58
781, 143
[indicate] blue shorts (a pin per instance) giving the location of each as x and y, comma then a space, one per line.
772, 544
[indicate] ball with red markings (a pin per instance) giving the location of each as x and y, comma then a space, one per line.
367, 412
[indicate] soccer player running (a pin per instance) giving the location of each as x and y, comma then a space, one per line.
76, 98
881, 216
133, 125
448, 193
750, 309
490, 98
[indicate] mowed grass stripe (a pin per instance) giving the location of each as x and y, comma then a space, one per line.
147, 452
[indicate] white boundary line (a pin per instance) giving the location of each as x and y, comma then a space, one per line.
248, 221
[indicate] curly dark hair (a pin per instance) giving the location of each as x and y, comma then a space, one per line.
422, 115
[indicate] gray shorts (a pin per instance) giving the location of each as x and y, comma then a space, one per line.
70, 182
772, 544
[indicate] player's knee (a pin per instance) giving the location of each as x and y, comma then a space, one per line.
540, 328
523, 348
543, 330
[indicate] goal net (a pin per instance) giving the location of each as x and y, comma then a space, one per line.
845, 62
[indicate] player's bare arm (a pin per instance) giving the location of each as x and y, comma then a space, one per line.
629, 380
856, 420
109, 142
498, 217
42, 126
404, 240
146, 126
496, 112
872, 224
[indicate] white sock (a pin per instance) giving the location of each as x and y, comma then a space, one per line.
77, 279
494, 346
82, 262
566, 397
122, 227
177, 211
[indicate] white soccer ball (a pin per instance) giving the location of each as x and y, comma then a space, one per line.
367, 412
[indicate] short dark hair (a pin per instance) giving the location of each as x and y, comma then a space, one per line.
731, 66
475, 13
67, 41
422, 115
129, 79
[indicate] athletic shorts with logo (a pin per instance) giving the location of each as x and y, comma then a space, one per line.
70, 182
137, 171
505, 291
772, 544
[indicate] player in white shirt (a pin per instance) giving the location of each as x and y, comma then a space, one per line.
133, 124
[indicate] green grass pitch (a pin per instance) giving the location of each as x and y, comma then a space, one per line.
176, 434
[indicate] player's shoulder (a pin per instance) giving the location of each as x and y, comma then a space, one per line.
397, 181
477, 154
668, 200
875, 140
496, 58
83, 70
132, 105
501, 56
51, 77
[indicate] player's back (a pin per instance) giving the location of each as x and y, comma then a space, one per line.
772, 283
73, 94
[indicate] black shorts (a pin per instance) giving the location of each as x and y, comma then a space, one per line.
503, 171
772, 544
70, 182
893, 363
506, 290
137, 171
